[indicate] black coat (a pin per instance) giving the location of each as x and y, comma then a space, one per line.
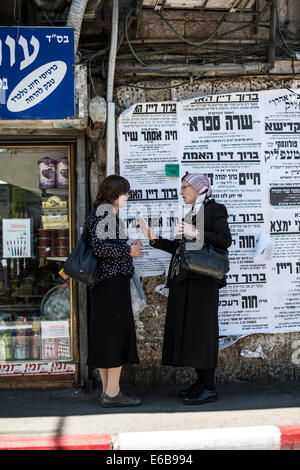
192, 329
216, 232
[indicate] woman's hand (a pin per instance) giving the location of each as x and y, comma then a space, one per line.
136, 250
137, 242
188, 230
147, 232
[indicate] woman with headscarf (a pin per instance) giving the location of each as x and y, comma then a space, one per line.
191, 330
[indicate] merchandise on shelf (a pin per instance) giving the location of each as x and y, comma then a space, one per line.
54, 218
6, 349
55, 204
62, 173
47, 173
53, 173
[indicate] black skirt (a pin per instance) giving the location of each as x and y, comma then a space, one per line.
112, 336
191, 335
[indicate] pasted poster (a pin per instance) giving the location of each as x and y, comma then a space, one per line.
36, 73
282, 170
148, 141
17, 238
248, 144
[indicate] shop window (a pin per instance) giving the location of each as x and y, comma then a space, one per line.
35, 225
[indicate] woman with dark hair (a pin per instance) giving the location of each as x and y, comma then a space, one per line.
112, 336
191, 331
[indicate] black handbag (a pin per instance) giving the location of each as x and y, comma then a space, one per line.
208, 261
82, 264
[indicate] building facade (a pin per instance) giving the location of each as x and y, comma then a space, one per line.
132, 53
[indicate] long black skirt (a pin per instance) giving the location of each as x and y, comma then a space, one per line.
112, 336
191, 330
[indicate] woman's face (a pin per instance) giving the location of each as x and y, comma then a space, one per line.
121, 201
188, 193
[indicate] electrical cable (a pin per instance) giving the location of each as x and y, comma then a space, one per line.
127, 38
192, 43
294, 53
90, 75
220, 60
87, 58
166, 87
223, 18
280, 84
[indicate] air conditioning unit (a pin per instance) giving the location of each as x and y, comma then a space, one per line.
229, 5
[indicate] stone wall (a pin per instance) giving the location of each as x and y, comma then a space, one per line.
278, 348
232, 367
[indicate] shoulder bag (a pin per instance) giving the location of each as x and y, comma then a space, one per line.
82, 264
208, 261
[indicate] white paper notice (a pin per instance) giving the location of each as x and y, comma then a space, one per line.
148, 140
248, 145
17, 238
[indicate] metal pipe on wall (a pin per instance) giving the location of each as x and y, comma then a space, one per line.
249, 67
110, 125
273, 27
178, 41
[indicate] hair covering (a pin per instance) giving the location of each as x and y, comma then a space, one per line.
199, 182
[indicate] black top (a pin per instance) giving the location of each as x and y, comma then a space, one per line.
216, 232
106, 235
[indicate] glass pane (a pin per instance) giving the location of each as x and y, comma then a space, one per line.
34, 242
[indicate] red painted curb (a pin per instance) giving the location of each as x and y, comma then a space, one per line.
289, 440
289, 437
53, 442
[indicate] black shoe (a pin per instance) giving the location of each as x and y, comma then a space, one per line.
119, 400
205, 396
194, 388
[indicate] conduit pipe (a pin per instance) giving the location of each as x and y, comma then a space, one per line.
177, 41
248, 67
110, 124
75, 18
273, 27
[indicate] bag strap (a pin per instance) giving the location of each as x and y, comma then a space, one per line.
84, 234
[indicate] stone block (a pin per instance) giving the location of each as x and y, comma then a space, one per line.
126, 96
262, 83
163, 93
230, 85
191, 90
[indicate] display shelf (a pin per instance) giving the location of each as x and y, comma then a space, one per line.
26, 297
47, 191
19, 307
56, 258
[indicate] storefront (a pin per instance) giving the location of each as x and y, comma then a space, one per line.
41, 212
43, 112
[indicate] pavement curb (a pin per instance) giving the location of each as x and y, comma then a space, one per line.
243, 438
57, 442
235, 438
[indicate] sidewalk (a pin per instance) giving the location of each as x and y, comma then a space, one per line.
73, 414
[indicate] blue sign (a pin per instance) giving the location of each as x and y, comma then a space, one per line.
36, 73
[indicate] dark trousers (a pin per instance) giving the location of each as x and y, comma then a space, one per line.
207, 378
